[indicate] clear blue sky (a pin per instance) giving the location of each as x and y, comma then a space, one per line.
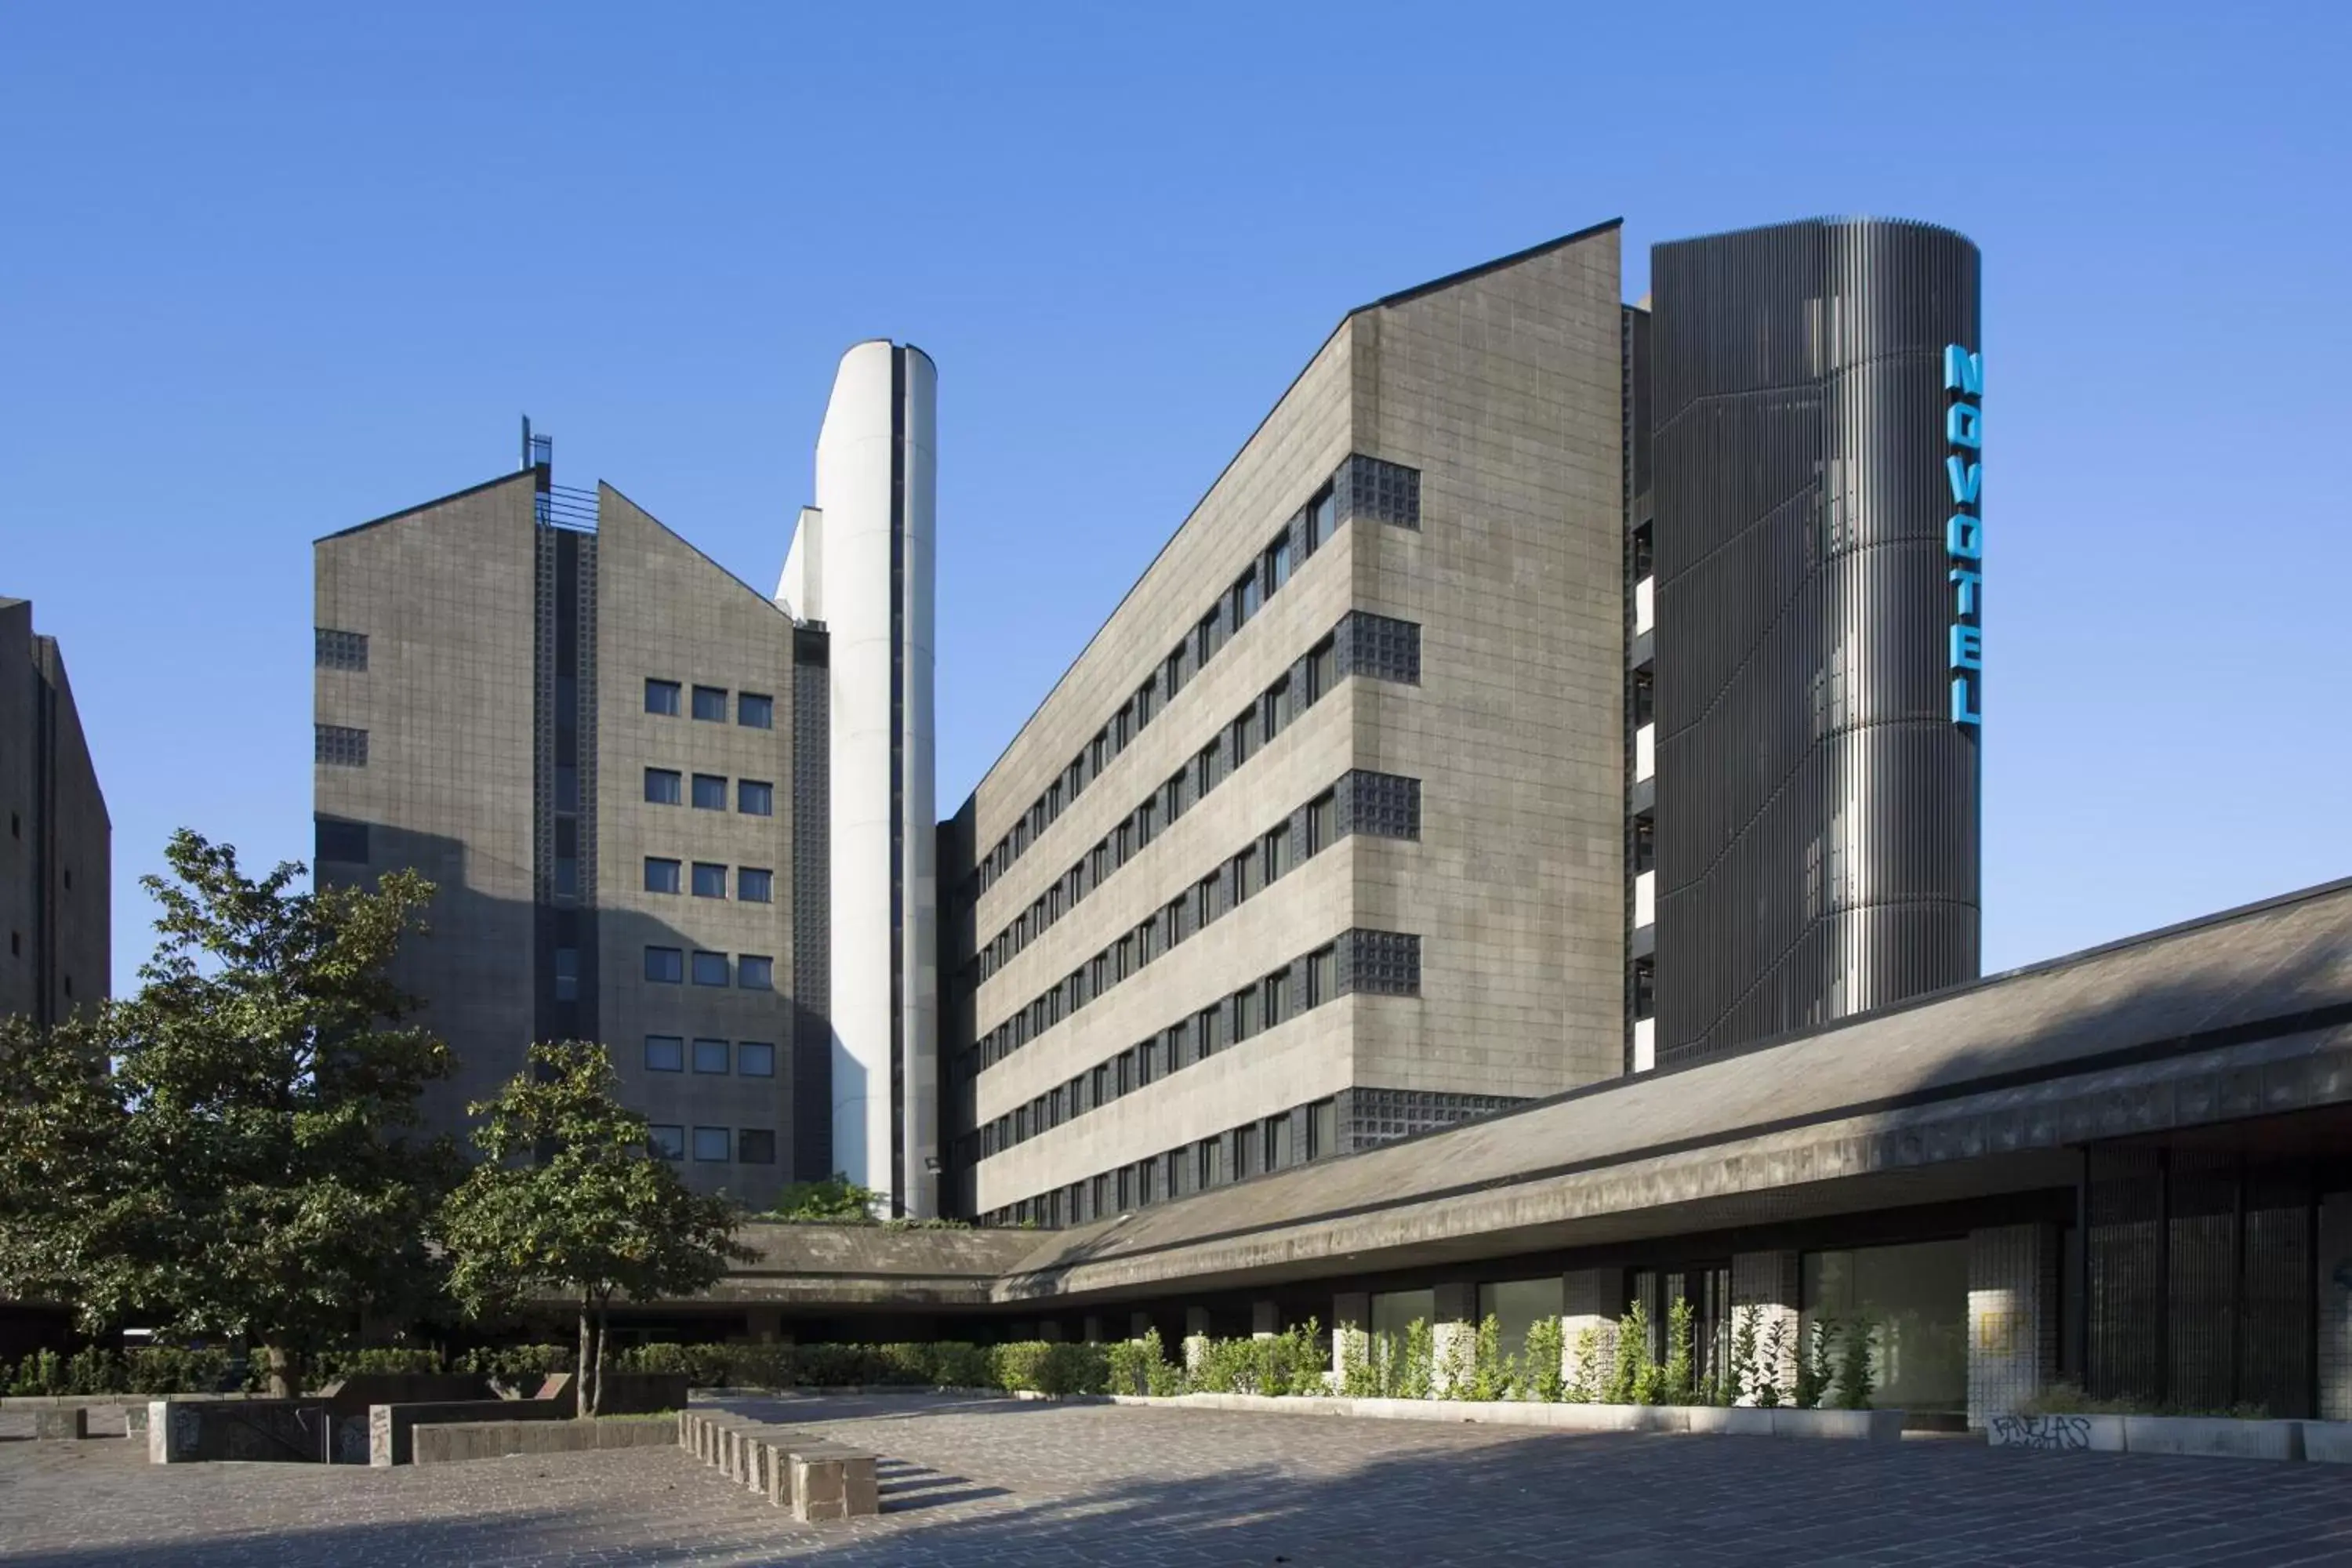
272, 271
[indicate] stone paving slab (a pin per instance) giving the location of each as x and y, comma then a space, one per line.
987, 1482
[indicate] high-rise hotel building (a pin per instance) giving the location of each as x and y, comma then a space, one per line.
1550, 688
647, 794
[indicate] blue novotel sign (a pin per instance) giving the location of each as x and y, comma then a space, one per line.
1964, 530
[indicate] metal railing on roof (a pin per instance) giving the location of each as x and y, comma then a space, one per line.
560, 506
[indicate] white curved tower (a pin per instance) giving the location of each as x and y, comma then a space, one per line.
862, 563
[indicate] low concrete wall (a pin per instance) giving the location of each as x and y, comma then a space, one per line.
442, 1445
392, 1427
815, 1478
284, 1431
2201, 1436
1859, 1425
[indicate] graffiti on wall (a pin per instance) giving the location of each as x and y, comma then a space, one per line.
2065, 1433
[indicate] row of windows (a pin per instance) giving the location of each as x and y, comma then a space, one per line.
1271, 999
667, 786
1364, 487
753, 884
1272, 1143
749, 1059
749, 971
1270, 714
714, 1145
1302, 835
753, 710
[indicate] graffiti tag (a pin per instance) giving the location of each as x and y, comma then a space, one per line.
2065, 1434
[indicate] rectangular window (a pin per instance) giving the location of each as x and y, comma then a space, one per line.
709, 792
1247, 1141
1274, 850
665, 1053
1209, 1031
1246, 873
567, 788
340, 650
755, 798
567, 974
339, 746
1277, 997
1322, 668
1322, 518
1322, 813
1322, 976
1246, 1014
1277, 707
711, 1055
1278, 561
754, 711
711, 1144
665, 1142
1279, 1151
710, 704
755, 1146
661, 876
711, 969
342, 841
665, 965
754, 885
1123, 1077
1322, 1129
661, 697
1209, 1153
755, 971
1126, 1187
755, 1058
710, 880
1147, 1172
1245, 598
1245, 733
663, 786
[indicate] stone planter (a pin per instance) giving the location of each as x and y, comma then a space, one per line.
2201, 1436
2328, 1442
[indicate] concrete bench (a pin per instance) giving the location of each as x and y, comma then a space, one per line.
817, 1479
71, 1423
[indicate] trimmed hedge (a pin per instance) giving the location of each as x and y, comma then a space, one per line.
156, 1369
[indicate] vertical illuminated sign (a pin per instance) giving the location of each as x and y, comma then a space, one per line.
1964, 530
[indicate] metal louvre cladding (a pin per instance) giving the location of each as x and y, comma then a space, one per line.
1817, 810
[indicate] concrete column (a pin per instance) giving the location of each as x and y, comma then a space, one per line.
1196, 1337
1770, 1282
1265, 1320
1351, 1326
2012, 1317
1454, 1339
2334, 1314
1589, 1309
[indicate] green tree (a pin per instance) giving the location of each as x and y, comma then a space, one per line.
570, 1201
836, 1200
225, 1153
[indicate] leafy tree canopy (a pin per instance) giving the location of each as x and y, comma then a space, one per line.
568, 1201
225, 1153
836, 1200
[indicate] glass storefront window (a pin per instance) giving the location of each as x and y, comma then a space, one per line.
1917, 1298
1516, 1305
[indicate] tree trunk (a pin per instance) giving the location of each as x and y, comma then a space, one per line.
280, 1363
604, 1333
579, 1406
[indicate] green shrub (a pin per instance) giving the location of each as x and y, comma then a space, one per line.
1490, 1376
1538, 1376
175, 1369
956, 1365
1132, 1365
1051, 1367
1413, 1369
331, 1366
1586, 1384
1677, 1379
1814, 1370
516, 1365
1856, 1383
1360, 1357
1634, 1379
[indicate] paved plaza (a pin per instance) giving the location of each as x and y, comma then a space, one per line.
999, 1482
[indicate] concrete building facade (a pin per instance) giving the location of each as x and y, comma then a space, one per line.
56, 854
580, 730
1318, 843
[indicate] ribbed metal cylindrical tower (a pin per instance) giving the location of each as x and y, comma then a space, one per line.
1817, 804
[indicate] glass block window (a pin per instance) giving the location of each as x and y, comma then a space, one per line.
709, 791
1379, 647
665, 965
1378, 492
1386, 805
661, 876
712, 1145
754, 885
665, 1053
340, 650
710, 704
343, 841
661, 697
755, 1058
665, 1142
337, 746
712, 1056
755, 797
755, 1146
664, 787
710, 880
755, 971
1379, 964
754, 711
711, 969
